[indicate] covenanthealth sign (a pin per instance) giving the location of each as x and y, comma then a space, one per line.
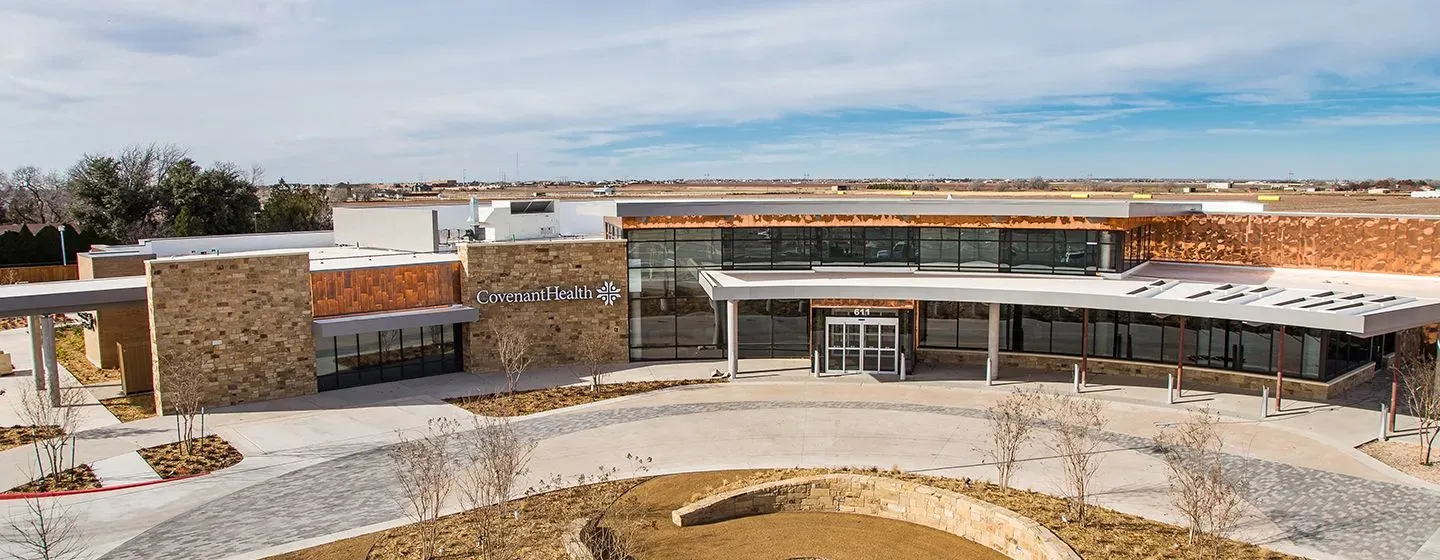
607, 293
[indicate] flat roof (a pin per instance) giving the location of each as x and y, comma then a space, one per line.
1348, 308
1081, 208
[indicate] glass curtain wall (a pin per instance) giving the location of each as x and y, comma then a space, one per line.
1146, 337
672, 318
378, 357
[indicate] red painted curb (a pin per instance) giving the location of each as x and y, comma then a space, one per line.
29, 495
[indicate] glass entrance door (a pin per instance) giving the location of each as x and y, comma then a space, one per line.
861, 344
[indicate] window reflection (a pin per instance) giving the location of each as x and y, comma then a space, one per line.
393, 355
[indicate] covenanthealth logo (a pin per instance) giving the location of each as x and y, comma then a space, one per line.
608, 293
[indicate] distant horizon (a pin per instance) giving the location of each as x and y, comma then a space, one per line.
369, 91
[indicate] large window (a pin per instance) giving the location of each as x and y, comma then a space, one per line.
377, 357
672, 318
1147, 337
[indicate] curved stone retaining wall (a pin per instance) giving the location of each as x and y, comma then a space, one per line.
992, 526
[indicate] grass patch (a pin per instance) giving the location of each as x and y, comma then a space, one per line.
540, 400
207, 454
16, 436
70, 352
130, 408
78, 478
1404, 457
1108, 535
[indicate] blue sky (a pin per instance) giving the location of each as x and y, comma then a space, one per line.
361, 90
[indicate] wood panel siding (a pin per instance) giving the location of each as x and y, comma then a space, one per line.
44, 273
373, 290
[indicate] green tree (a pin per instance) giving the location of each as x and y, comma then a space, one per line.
215, 201
291, 208
119, 197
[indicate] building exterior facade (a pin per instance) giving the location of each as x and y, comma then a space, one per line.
1222, 294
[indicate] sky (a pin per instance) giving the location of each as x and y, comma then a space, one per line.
377, 90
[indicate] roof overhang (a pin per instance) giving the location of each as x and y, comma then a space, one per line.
38, 298
1364, 315
391, 320
905, 207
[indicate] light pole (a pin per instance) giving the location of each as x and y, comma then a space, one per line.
64, 257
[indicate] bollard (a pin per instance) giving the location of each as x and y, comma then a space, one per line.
1075, 378
989, 372
1170, 389
1264, 402
815, 366
902, 366
1384, 436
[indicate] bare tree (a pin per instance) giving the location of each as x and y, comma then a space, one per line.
1420, 380
1074, 426
593, 351
32, 196
256, 177
1201, 488
425, 469
512, 351
1012, 420
182, 391
54, 426
45, 533
499, 457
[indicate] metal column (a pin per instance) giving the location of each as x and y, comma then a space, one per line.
732, 336
37, 352
992, 342
52, 370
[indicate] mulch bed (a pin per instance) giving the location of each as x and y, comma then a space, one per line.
530, 402
16, 436
130, 408
1404, 456
78, 478
70, 352
207, 454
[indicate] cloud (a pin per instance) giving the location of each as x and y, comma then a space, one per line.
359, 89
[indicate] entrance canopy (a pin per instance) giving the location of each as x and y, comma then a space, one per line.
1338, 301
18, 300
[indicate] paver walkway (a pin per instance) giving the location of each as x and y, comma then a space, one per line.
1314, 510
128, 468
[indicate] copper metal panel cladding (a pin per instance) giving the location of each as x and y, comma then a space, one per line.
1361, 244
808, 220
870, 303
390, 288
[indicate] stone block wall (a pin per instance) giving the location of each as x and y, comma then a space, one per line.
245, 320
127, 325
1216, 378
987, 524
522, 268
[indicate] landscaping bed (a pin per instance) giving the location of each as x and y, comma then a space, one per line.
78, 478
540, 400
207, 454
130, 408
1404, 456
1107, 535
16, 436
70, 352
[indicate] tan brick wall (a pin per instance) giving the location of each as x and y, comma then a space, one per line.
556, 326
1194, 376
247, 318
987, 524
123, 324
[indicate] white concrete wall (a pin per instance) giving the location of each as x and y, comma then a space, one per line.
176, 246
401, 229
570, 218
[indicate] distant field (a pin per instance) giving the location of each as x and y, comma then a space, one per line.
1289, 202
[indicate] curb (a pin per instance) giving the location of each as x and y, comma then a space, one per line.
59, 493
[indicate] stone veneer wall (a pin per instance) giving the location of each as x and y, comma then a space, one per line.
1249, 382
987, 524
127, 325
555, 326
1362, 244
247, 320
